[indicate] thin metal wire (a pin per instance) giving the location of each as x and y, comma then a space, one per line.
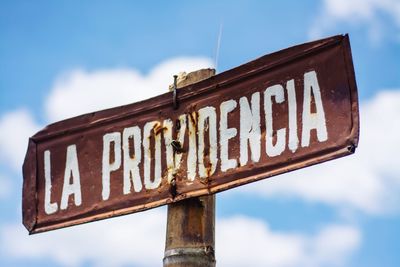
174, 96
218, 46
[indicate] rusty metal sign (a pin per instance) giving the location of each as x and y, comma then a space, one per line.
281, 112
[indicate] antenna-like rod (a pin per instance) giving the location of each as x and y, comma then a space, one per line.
218, 46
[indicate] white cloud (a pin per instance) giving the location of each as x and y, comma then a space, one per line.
333, 245
368, 181
356, 12
5, 186
243, 241
15, 129
135, 239
79, 91
139, 239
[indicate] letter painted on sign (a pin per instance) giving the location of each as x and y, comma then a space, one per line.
279, 146
71, 171
107, 166
148, 131
293, 137
49, 207
250, 130
207, 122
313, 120
192, 153
131, 163
174, 158
225, 134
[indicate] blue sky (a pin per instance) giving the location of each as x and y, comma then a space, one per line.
342, 213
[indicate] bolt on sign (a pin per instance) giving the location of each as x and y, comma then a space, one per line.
281, 112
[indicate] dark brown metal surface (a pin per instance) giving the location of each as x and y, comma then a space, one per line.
330, 59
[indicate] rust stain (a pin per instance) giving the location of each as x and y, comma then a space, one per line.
209, 170
177, 124
159, 129
193, 115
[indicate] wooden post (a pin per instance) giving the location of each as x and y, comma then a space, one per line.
190, 238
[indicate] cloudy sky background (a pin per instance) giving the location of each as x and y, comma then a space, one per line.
61, 59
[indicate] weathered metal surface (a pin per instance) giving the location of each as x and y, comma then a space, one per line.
193, 257
190, 238
190, 235
281, 112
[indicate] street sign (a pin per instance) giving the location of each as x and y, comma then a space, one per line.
281, 112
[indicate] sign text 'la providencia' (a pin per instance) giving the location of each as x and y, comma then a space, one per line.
284, 111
